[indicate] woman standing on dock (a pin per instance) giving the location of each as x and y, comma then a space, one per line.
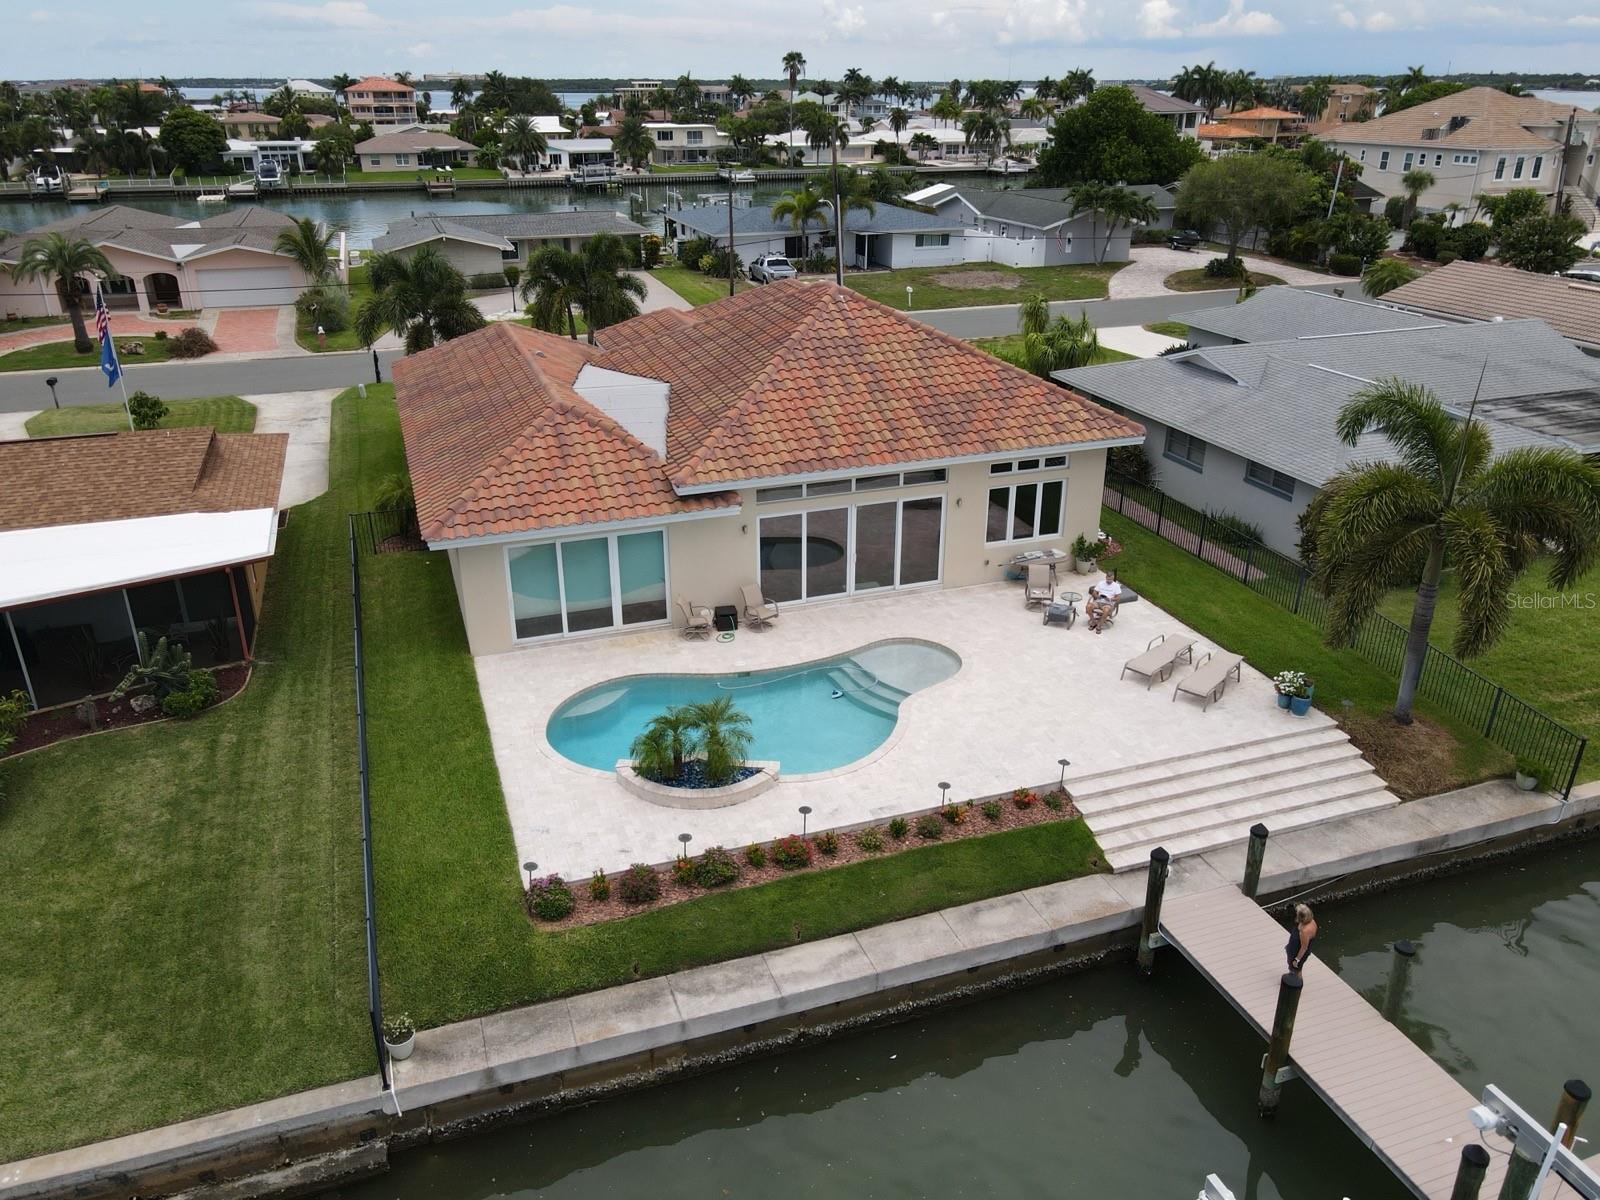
1300, 939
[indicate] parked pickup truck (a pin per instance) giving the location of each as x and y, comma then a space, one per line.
771, 266
1184, 239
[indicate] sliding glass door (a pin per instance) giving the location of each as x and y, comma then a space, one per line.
839, 551
585, 584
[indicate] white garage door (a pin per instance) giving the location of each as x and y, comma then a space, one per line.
246, 287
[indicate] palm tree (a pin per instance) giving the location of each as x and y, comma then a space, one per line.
308, 243
740, 89
1057, 345
1385, 274
986, 131
460, 93
1094, 199
946, 108
594, 278
1078, 84
794, 66
522, 140
803, 209
550, 289
724, 734
659, 752
1313, 99
1125, 207
1414, 77
64, 261
1033, 108
633, 141
898, 120
496, 90
922, 142
1415, 181
422, 298
1445, 502
340, 84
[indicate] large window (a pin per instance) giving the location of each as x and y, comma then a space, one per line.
932, 239
584, 584
1269, 480
1186, 449
865, 548
1025, 511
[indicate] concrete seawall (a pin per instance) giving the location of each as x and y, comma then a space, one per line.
524, 1061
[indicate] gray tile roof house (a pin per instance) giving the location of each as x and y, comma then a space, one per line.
176, 239
1275, 403
1479, 291
1280, 313
500, 230
711, 220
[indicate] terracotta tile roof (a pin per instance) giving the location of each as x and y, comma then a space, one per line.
1264, 113
1214, 132
789, 379
155, 473
377, 83
498, 441
1482, 291
1491, 119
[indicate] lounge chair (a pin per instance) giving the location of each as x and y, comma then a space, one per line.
1040, 589
1209, 679
759, 612
1159, 658
697, 621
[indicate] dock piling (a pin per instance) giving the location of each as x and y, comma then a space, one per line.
1277, 1058
1149, 932
1394, 998
1253, 856
1469, 1175
1569, 1109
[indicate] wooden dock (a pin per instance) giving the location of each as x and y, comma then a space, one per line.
1396, 1099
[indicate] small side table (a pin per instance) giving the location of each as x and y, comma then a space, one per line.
1065, 609
725, 617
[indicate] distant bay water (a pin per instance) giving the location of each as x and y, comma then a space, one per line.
437, 97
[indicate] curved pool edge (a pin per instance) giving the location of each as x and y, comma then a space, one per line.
699, 799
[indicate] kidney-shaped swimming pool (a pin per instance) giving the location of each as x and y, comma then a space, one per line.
808, 717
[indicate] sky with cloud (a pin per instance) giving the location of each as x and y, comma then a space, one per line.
913, 39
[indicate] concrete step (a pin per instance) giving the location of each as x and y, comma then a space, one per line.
1262, 776
863, 692
1132, 858
1273, 809
1087, 787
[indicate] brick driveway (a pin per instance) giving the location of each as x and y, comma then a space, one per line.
235, 330
241, 330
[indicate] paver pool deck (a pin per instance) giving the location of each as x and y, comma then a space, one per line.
1026, 695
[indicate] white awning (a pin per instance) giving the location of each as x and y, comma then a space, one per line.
64, 560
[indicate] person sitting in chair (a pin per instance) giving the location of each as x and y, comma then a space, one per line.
1103, 600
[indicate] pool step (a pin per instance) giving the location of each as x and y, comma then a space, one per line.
863, 688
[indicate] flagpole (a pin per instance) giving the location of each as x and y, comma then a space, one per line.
126, 411
110, 364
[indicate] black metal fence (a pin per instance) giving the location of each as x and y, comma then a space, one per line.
386, 531
1500, 716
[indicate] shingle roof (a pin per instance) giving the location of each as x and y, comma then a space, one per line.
496, 229
158, 234
1479, 291
408, 141
1275, 403
1160, 102
712, 221
1279, 313
789, 379
1492, 118
1020, 207
154, 473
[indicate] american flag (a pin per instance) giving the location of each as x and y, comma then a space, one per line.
102, 318
109, 365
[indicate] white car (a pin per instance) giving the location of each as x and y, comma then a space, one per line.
1584, 274
772, 266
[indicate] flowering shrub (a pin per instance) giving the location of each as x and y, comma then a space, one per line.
1024, 799
1292, 683
716, 868
550, 898
599, 886
828, 842
683, 872
639, 885
991, 810
792, 852
955, 814
755, 854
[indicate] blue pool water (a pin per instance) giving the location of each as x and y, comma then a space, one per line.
795, 715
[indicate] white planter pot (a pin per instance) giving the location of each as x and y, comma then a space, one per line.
1527, 782
400, 1051
1084, 566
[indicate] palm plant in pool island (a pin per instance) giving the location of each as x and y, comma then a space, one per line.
694, 745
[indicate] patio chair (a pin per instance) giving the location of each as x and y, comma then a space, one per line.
759, 612
1209, 679
696, 619
1159, 658
1040, 589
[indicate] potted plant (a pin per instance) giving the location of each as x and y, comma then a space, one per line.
399, 1036
1530, 775
1085, 553
1294, 690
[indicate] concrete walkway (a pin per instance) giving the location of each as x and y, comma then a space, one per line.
1136, 340
14, 426
1151, 265
305, 417
657, 294
545, 1050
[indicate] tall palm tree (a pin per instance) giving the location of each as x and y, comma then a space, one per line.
1078, 84
522, 140
633, 141
725, 736
496, 90
340, 84
1414, 77
1095, 199
987, 131
1415, 181
946, 108
1124, 206
307, 242
549, 288
64, 260
898, 120
1445, 502
803, 209
422, 298
594, 279
1313, 99
740, 90
794, 66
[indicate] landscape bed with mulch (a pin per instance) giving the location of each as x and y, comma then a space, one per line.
954, 822
52, 725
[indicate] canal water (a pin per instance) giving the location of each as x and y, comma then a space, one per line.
1094, 1085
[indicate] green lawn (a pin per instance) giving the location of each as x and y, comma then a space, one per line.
358, 292
694, 286
1009, 348
1172, 329
225, 414
60, 356
30, 323
417, 177
1271, 639
942, 287
1197, 280
1547, 655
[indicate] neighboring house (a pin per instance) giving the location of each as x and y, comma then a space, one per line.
483, 243
1475, 142
1250, 429
1030, 227
1164, 199
305, 87
250, 126
381, 101
890, 237
1185, 117
288, 153
798, 437
1347, 103
685, 142
571, 154
226, 261
1264, 121
415, 147
166, 531
1278, 314
1477, 291
1219, 138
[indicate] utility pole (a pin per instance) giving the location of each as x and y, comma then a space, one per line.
1561, 167
733, 259
838, 214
